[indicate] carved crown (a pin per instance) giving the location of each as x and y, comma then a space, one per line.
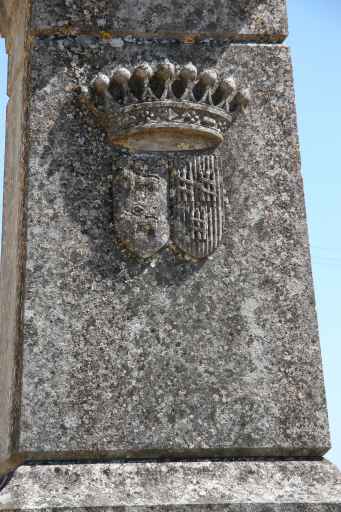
167, 108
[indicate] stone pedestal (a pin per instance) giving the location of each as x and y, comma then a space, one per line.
142, 319
251, 486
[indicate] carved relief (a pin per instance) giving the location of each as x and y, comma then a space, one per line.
179, 201
140, 207
167, 110
197, 205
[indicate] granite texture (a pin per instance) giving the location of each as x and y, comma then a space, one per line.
261, 20
164, 357
216, 486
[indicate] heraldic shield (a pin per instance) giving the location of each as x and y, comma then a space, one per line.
166, 120
140, 200
197, 205
179, 200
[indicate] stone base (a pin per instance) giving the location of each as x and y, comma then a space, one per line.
234, 486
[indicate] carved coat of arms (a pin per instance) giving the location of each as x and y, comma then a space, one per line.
179, 202
167, 110
197, 205
140, 199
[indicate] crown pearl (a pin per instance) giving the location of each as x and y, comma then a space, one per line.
227, 86
121, 75
189, 72
140, 80
166, 70
101, 84
244, 98
240, 101
225, 89
208, 77
143, 72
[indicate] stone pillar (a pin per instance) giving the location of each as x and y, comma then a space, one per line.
159, 344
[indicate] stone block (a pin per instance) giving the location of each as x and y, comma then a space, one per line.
239, 486
12, 253
261, 20
165, 357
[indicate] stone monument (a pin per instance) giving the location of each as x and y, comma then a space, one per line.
159, 344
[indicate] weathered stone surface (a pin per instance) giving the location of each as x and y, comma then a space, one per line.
253, 19
129, 358
12, 253
234, 486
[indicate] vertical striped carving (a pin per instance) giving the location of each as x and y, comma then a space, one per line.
197, 205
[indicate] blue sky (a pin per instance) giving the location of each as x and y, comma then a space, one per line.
316, 49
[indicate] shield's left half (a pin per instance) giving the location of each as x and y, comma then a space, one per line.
140, 205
